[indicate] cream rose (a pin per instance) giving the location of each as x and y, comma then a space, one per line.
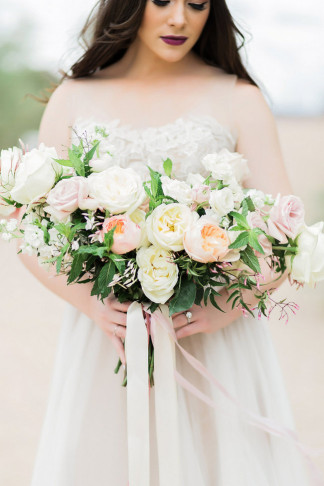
178, 190
157, 273
116, 189
66, 197
138, 216
195, 179
222, 201
308, 265
204, 241
167, 223
35, 175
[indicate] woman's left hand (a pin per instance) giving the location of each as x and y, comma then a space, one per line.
205, 319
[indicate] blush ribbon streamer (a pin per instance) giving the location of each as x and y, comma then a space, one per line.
166, 403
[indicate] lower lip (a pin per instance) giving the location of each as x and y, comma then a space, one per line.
173, 42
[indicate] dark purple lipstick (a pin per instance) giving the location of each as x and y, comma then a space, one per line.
174, 40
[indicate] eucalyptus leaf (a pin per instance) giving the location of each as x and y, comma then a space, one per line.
184, 299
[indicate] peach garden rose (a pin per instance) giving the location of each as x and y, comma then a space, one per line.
204, 241
127, 235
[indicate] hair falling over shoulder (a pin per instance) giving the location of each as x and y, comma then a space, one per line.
112, 26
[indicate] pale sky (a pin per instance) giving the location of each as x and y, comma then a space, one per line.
285, 54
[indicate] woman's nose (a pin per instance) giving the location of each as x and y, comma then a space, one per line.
177, 15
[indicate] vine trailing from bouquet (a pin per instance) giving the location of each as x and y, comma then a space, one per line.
158, 240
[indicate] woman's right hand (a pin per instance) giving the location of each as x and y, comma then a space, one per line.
107, 316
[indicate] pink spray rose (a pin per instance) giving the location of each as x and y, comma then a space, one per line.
255, 220
286, 218
127, 235
205, 241
200, 193
66, 197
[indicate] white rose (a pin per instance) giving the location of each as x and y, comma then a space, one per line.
138, 217
237, 191
222, 201
218, 163
178, 190
308, 265
157, 273
35, 175
195, 179
167, 223
220, 170
116, 189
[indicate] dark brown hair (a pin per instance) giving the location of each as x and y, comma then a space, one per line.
113, 25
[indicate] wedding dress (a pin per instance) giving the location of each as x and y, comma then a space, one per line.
84, 436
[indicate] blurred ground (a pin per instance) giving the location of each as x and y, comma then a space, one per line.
30, 319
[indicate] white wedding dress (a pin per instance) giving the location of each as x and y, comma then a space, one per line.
84, 436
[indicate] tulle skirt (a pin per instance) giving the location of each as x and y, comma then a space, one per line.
84, 435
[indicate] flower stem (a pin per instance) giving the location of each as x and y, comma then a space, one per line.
118, 366
285, 248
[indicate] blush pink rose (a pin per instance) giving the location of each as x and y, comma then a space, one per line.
127, 235
286, 218
66, 197
255, 220
204, 241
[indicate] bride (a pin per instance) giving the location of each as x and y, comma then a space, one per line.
163, 78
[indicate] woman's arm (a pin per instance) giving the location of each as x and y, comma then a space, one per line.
55, 132
258, 141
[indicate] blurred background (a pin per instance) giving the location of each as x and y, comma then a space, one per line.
284, 53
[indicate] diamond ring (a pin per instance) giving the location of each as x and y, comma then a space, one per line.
115, 329
188, 316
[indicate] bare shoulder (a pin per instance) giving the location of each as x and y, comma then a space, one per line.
246, 93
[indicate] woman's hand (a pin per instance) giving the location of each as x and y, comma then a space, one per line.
111, 316
205, 319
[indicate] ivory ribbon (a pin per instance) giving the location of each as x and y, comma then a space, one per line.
165, 377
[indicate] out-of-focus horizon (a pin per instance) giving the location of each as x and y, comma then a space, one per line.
284, 53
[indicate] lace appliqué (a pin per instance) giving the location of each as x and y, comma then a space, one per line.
185, 141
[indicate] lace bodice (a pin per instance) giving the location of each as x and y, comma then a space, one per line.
185, 141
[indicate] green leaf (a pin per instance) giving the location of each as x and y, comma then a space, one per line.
248, 257
64, 162
106, 276
93, 250
89, 155
240, 219
61, 256
241, 240
199, 295
119, 262
156, 186
250, 204
109, 238
167, 166
254, 242
77, 163
184, 299
77, 266
214, 302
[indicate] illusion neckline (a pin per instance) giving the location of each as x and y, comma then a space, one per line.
186, 119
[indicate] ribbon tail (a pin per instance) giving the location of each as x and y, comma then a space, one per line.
166, 404
136, 350
264, 423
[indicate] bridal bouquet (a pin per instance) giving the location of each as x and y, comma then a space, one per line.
161, 241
